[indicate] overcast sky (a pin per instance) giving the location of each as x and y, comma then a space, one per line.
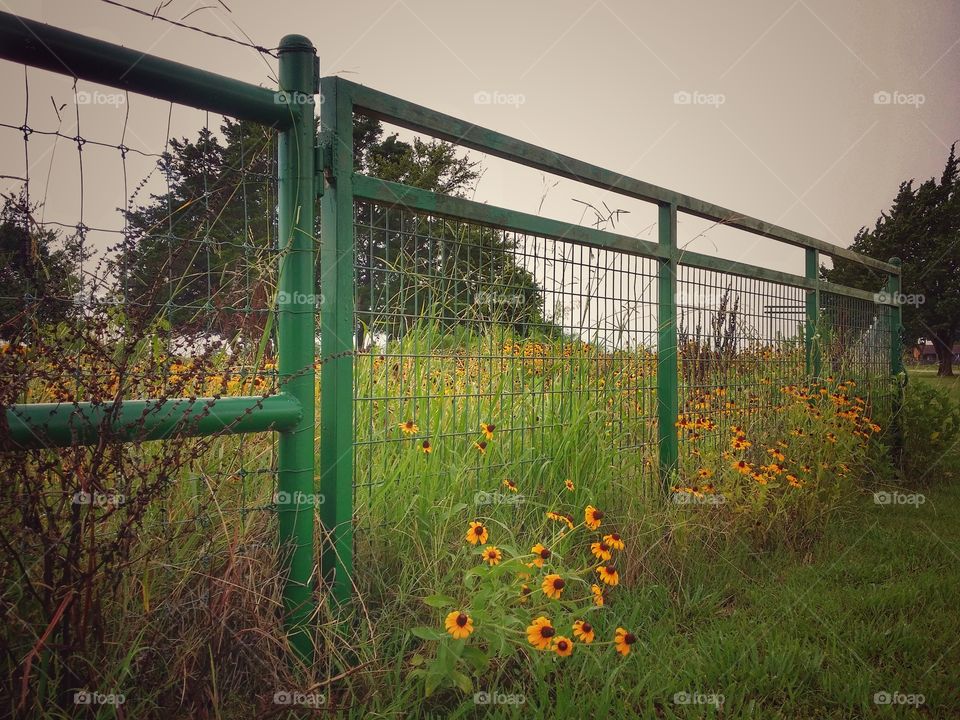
767, 107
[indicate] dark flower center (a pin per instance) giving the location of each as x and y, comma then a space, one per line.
562, 645
604, 547
598, 515
525, 590
610, 570
478, 530
558, 584
547, 632
462, 619
615, 537
629, 638
544, 553
586, 627
491, 427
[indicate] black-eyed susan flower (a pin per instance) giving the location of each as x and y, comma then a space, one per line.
477, 534
760, 478
409, 427
583, 631
623, 639
492, 555
459, 625
704, 473
742, 467
776, 454
597, 595
510, 485
540, 633
708, 489
592, 517
540, 554
614, 541
737, 430
488, 429
830, 437
481, 447
553, 586
608, 574
426, 448
524, 593
568, 484
794, 481
600, 550
561, 517
563, 646
740, 442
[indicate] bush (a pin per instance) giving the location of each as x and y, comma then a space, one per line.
931, 431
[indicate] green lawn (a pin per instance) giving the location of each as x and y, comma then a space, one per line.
928, 374
872, 609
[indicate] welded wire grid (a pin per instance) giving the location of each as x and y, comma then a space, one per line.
854, 339
187, 254
740, 340
461, 325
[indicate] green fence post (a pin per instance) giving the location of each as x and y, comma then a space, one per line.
667, 390
336, 341
811, 347
896, 360
295, 328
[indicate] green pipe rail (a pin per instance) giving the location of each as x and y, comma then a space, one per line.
311, 167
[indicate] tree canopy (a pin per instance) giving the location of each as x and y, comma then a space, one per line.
922, 228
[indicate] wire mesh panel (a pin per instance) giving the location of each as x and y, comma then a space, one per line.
495, 356
740, 341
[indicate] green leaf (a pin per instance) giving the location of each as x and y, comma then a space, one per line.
428, 633
439, 601
476, 657
461, 681
417, 660
432, 682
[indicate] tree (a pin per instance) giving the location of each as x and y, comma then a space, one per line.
38, 270
922, 228
201, 250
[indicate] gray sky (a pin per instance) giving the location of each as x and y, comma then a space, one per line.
777, 114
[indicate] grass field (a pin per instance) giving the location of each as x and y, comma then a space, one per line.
797, 596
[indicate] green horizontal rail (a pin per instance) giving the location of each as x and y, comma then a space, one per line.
61, 51
44, 425
421, 119
392, 193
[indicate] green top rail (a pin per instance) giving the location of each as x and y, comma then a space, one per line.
51, 48
446, 127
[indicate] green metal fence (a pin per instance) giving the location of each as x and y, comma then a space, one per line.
446, 322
